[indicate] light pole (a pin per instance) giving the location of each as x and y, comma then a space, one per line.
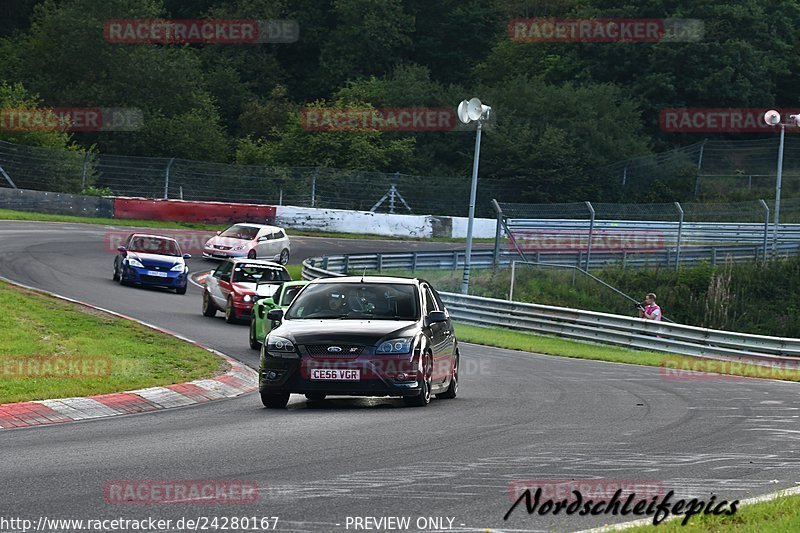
470, 111
773, 118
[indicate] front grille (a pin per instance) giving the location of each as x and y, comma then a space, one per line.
155, 279
218, 247
321, 350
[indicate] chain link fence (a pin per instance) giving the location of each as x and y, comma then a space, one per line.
44, 169
713, 169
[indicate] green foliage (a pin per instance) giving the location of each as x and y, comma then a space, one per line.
97, 191
564, 110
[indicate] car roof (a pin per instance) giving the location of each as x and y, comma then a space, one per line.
254, 225
369, 279
255, 262
149, 235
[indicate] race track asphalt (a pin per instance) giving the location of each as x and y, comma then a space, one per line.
519, 418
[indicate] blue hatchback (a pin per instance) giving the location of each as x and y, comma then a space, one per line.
152, 260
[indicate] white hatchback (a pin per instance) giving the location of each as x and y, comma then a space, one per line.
254, 241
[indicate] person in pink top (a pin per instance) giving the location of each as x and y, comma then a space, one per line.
650, 310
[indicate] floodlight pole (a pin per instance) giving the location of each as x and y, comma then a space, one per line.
778, 192
473, 193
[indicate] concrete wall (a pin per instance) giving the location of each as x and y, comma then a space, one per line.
335, 220
56, 203
381, 223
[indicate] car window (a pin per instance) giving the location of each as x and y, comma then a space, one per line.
281, 234
430, 301
154, 245
439, 302
290, 293
253, 272
223, 271
377, 301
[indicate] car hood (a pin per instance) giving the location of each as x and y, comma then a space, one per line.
226, 241
156, 260
367, 332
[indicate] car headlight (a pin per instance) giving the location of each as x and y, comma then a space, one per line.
395, 346
239, 248
247, 298
134, 263
281, 347
177, 268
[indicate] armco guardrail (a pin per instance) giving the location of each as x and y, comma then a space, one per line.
690, 255
577, 324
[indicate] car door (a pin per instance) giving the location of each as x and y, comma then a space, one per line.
218, 284
262, 242
439, 339
449, 331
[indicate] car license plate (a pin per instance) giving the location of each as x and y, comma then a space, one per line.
335, 374
157, 274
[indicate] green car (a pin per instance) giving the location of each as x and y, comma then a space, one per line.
280, 299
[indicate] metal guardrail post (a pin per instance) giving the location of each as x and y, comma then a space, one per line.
84, 169
413, 262
314, 187
591, 232
325, 263
766, 228
511, 286
166, 178
680, 230
699, 166
8, 178
498, 231
346, 266
380, 262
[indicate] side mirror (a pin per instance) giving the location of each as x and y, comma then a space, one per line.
275, 314
436, 316
187, 256
121, 249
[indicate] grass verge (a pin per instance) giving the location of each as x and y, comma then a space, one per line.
675, 366
776, 516
8, 214
55, 349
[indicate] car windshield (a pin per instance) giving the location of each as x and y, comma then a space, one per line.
252, 273
379, 301
154, 245
247, 233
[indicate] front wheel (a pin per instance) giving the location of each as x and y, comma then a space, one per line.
230, 312
275, 401
208, 305
181, 290
116, 272
251, 254
284, 257
452, 390
254, 343
424, 397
